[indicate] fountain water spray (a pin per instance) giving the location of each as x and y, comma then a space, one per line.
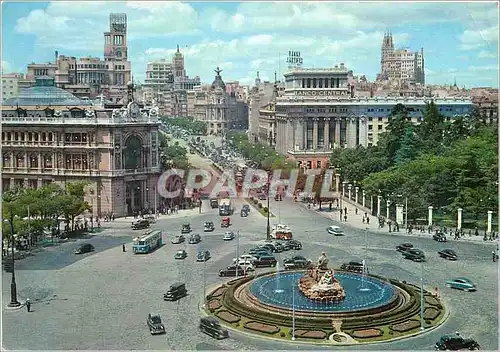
363, 278
278, 277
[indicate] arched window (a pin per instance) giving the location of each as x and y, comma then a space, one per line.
133, 153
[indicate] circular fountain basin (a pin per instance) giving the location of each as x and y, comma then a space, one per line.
361, 293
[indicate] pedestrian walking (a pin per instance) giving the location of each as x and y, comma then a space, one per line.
363, 219
494, 256
356, 211
28, 305
345, 210
345, 217
124, 249
367, 220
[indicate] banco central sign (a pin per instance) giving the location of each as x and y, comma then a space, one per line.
321, 93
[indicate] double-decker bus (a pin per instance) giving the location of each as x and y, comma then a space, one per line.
147, 242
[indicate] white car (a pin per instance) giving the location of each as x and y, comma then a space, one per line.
335, 230
246, 258
228, 236
246, 265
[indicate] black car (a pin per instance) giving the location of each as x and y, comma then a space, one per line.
212, 327
194, 238
448, 254
455, 342
296, 262
140, 224
414, 254
84, 248
440, 237
231, 271
186, 228
353, 266
214, 203
243, 213
208, 226
175, 292
295, 244
404, 247
246, 208
260, 251
202, 256
286, 245
155, 325
272, 247
265, 261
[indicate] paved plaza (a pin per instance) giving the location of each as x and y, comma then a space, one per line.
101, 300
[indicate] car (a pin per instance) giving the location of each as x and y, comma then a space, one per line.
228, 236
448, 254
462, 283
285, 244
256, 250
178, 239
440, 237
211, 326
246, 265
231, 271
194, 238
263, 252
353, 266
140, 224
214, 203
455, 342
180, 254
295, 244
151, 218
414, 254
243, 213
246, 257
296, 262
202, 256
155, 325
175, 292
335, 230
186, 228
265, 261
84, 248
270, 247
403, 247
262, 196
208, 226
246, 208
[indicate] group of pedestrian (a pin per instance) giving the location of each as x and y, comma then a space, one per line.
344, 213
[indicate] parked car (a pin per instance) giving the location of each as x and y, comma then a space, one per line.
180, 254
462, 283
245, 257
186, 228
414, 254
448, 254
151, 218
228, 236
84, 248
243, 213
175, 292
295, 244
202, 256
440, 237
194, 238
208, 226
231, 271
265, 261
155, 325
178, 239
286, 245
296, 262
272, 247
140, 224
353, 266
455, 342
262, 196
246, 265
335, 230
403, 247
211, 326
214, 203
257, 250
246, 208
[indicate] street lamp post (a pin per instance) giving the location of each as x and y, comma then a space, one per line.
204, 283
268, 229
422, 326
237, 252
13, 287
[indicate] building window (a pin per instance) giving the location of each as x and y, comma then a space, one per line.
20, 161
76, 161
44, 137
314, 82
33, 161
6, 160
16, 136
380, 119
36, 137
308, 83
318, 164
3, 136
50, 136
370, 127
380, 127
47, 161
320, 83
309, 164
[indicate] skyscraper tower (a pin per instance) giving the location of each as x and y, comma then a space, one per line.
115, 41
178, 64
387, 52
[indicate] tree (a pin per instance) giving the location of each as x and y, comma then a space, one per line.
73, 202
409, 146
395, 131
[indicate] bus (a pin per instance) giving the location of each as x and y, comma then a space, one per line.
147, 242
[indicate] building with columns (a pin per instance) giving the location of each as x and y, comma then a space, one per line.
49, 135
319, 112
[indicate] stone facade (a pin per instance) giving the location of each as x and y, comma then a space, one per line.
10, 85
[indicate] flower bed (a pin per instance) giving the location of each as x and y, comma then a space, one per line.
405, 326
213, 305
219, 292
260, 327
311, 334
259, 207
227, 317
431, 313
367, 333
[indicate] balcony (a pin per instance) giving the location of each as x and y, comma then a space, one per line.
309, 152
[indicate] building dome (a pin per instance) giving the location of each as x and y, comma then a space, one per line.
218, 82
44, 94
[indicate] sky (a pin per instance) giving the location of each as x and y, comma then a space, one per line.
460, 40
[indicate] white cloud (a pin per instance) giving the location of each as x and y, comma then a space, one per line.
483, 54
6, 67
476, 38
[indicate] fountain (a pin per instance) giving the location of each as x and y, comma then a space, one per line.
363, 279
278, 288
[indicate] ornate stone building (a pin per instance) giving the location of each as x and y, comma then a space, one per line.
49, 135
319, 111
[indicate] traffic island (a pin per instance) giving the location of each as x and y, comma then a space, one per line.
391, 311
257, 205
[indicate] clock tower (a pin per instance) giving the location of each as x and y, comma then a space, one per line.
115, 41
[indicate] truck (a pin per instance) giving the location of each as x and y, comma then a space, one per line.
225, 207
214, 203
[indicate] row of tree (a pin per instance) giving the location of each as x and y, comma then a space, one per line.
173, 154
188, 123
446, 164
34, 211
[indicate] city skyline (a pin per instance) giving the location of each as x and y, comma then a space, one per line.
460, 40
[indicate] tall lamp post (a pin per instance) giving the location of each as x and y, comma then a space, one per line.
422, 301
268, 229
13, 287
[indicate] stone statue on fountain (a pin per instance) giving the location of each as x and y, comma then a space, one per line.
320, 284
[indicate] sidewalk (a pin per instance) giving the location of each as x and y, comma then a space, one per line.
356, 221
